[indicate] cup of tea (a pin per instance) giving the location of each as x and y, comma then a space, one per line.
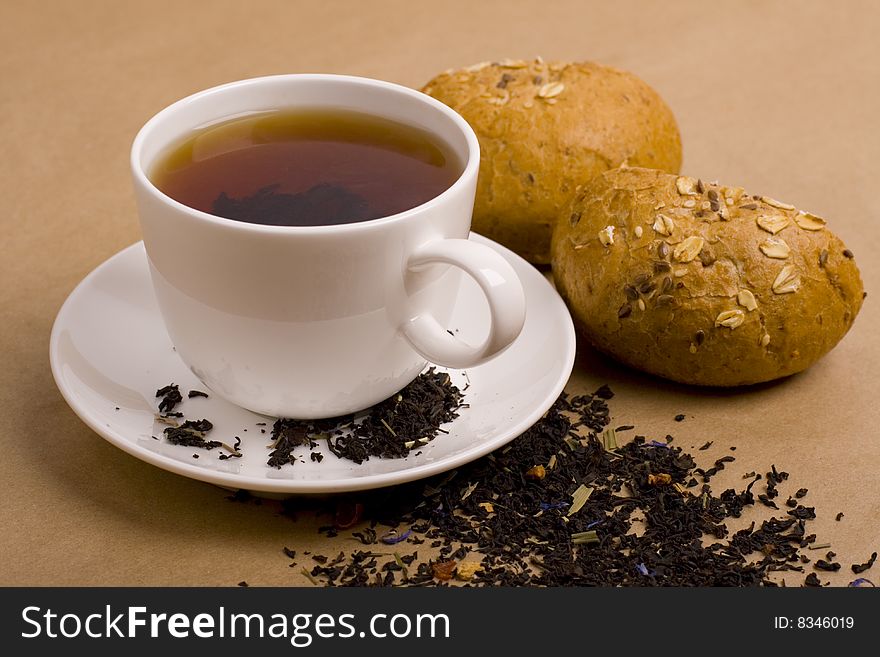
306, 236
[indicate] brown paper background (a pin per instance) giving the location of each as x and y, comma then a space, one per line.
780, 97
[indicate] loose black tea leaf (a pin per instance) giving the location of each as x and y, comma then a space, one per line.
192, 434
860, 568
711, 472
812, 580
766, 501
203, 426
391, 429
287, 436
171, 397
196, 393
803, 512
367, 537
604, 392
573, 526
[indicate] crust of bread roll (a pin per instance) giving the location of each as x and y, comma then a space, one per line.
702, 283
544, 128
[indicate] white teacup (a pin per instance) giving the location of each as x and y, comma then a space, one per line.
319, 321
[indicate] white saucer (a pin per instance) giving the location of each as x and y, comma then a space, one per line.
110, 353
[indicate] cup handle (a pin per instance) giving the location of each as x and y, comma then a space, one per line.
504, 294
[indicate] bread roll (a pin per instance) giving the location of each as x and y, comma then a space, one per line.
545, 127
702, 283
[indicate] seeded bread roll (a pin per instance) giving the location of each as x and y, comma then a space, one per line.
546, 127
702, 283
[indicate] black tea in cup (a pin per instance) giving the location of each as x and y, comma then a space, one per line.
306, 167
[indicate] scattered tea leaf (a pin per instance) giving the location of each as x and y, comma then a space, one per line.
860, 568
171, 397
578, 498
609, 439
585, 538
